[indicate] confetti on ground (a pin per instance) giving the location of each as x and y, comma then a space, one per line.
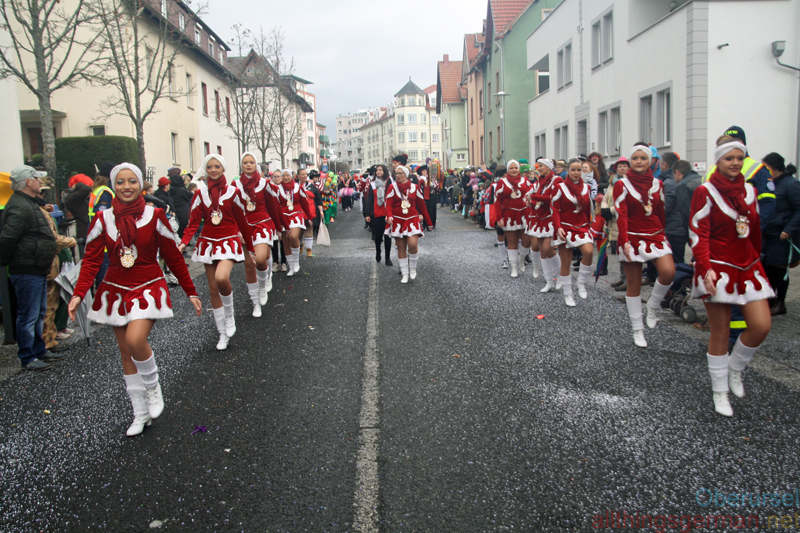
199, 429
227, 450
456, 355
540, 317
47, 412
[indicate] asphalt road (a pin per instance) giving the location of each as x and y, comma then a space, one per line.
358, 403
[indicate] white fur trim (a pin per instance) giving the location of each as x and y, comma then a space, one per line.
700, 215
102, 316
96, 231
208, 251
640, 256
723, 297
577, 239
541, 232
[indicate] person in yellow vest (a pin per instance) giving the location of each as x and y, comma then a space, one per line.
100, 200
757, 175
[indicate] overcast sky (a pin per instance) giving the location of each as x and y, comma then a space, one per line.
358, 53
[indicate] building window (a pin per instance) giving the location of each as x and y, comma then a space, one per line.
490, 144
412, 118
97, 131
434, 120
480, 104
423, 118
401, 119
207, 148
497, 84
310, 125
603, 39
664, 99
608, 37
189, 90
217, 106
615, 131
228, 110
564, 66
402, 102
174, 146
204, 89
602, 133
191, 154
546, 13
219, 150
461, 156
412, 136
499, 138
413, 155
561, 139
210, 47
311, 141
197, 37
646, 118
489, 91
483, 150
436, 155
164, 8
540, 145
182, 21
401, 137
423, 136
596, 42
434, 137
424, 154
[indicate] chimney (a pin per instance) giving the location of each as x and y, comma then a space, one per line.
446, 59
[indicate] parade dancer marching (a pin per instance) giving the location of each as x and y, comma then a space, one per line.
295, 210
134, 293
221, 206
262, 210
540, 221
375, 211
726, 242
314, 196
572, 217
405, 212
639, 201
509, 195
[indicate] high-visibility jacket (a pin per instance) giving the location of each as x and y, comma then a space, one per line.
96, 193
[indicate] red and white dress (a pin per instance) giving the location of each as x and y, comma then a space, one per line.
262, 209
644, 232
540, 217
220, 241
293, 204
404, 203
139, 292
509, 195
573, 216
717, 245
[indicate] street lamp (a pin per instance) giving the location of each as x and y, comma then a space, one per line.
503, 94
778, 47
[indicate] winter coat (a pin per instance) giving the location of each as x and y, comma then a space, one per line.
181, 199
77, 202
608, 203
683, 197
165, 197
27, 243
673, 224
785, 218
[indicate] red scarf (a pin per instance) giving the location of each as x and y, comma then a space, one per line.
576, 189
125, 216
215, 190
288, 188
249, 184
733, 190
641, 182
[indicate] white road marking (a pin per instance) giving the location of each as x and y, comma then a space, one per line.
367, 489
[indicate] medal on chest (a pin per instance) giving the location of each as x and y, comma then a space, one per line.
515, 194
250, 206
216, 217
128, 255
743, 226
405, 205
288, 197
648, 209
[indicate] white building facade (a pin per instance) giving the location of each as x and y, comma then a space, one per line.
616, 72
417, 127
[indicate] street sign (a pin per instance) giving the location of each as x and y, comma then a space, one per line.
324, 168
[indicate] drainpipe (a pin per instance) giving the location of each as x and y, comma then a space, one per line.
503, 105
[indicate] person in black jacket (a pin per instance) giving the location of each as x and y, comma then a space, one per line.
181, 198
77, 202
375, 211
162, 193
27, 248
782, 229
688, 180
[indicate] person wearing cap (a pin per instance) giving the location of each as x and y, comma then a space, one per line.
134, 294
162, 193
725, 234
27, 248
639, 200
221, 206
655, 163
560, 168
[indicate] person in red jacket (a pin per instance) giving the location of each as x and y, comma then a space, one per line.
540, 222
725, 235
639, 200
221, 206
263, 214
296, 211
572, 218
509, 195
134, 293
405, 211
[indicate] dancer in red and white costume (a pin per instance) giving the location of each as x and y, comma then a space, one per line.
134, 293
572, 218
639, 200
295, 210
540, 222
405, 210
221, 206
724, 228
262, 211
509, 195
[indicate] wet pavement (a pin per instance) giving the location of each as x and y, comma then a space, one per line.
498, 408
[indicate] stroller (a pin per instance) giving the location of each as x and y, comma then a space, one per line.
680, 293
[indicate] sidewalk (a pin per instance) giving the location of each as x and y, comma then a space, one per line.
779, 357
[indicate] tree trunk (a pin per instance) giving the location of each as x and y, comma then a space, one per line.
48, 136
140, 142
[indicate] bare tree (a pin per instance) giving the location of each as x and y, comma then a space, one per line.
142, 49
48, 52
243, 90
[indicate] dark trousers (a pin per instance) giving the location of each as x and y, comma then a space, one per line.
277, 251
431, 205
678, 245
31, 291
443, 200
378, 227
776, 275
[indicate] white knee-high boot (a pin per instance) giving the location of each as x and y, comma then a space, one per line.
718, 369
148, 370
584, 273
634, 304
253, 291
513, 261
138, 395
412, 265
404, 269
219, 320
566, 285
556, 262
547, 272
537, 264
501, 251
654, 302
309, 244
230, 321
264, 278
523, 253
740, 358
296, 259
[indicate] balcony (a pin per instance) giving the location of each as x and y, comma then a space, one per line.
324, 153
324, 139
